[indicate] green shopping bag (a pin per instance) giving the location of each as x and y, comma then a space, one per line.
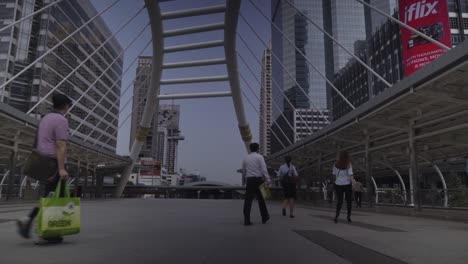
59, 216
265, 191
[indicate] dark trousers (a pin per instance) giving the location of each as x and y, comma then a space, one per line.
330, 196
346, 191
253, 189
358, 198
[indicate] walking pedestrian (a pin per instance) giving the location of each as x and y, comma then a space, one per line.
343, 171
358, 190
288, 176
254, 173
51, 142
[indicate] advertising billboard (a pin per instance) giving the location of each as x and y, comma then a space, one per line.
431, 18
150, 168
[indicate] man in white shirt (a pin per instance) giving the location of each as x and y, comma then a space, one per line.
254, 173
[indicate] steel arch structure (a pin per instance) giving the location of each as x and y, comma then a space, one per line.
231, 10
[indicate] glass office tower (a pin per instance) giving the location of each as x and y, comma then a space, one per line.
25, 42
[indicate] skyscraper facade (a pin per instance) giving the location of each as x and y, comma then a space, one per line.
140, 90
25, 42
348, 26
345, 20
296, 79
386, 6
309, 40
303, 83
169, 116
265, 104
163, 138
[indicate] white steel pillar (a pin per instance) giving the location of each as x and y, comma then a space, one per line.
369, 175
410, 173
13, 160
444, 184
376, 191
397, 173
441, 176
231, 19
319, 171
152, 102
413, 151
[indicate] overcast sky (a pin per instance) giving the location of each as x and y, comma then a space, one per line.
212, 142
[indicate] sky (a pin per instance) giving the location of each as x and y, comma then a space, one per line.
212, 144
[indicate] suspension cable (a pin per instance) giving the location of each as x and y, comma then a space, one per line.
109, 66
341, 45
60, 76
109, 109
84, 53
123, 122
124, 107
305, 57
282, 131
275, 83
271, 130
80, 65
56, 46
286, 70
116, 81
263, 87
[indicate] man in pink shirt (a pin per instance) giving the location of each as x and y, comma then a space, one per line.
51, 142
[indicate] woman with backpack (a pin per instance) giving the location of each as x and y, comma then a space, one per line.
343, 172
288, 176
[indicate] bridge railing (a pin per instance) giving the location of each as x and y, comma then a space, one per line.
431, 198
457, 197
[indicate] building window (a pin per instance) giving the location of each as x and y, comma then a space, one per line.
465, 23
453, 22
455, 39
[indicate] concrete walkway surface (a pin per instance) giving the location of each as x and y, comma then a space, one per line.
210, 231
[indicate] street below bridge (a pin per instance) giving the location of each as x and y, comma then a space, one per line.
211, 231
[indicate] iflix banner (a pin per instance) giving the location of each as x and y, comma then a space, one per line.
431, 18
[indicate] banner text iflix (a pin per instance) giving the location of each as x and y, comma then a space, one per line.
431, 18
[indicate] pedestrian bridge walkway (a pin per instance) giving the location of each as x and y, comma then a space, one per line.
211, 231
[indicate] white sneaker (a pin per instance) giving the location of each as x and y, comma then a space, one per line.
52, 240
40, 241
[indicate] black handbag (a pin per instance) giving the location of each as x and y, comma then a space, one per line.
40, 167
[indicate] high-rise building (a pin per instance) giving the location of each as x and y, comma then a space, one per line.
343, 19
265, 104
384, 54
348, 25
297, 80
309, 119
386, 6
25, 42
346, 21
140, 90
163, 138
310, 42
169, 116
458, 16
